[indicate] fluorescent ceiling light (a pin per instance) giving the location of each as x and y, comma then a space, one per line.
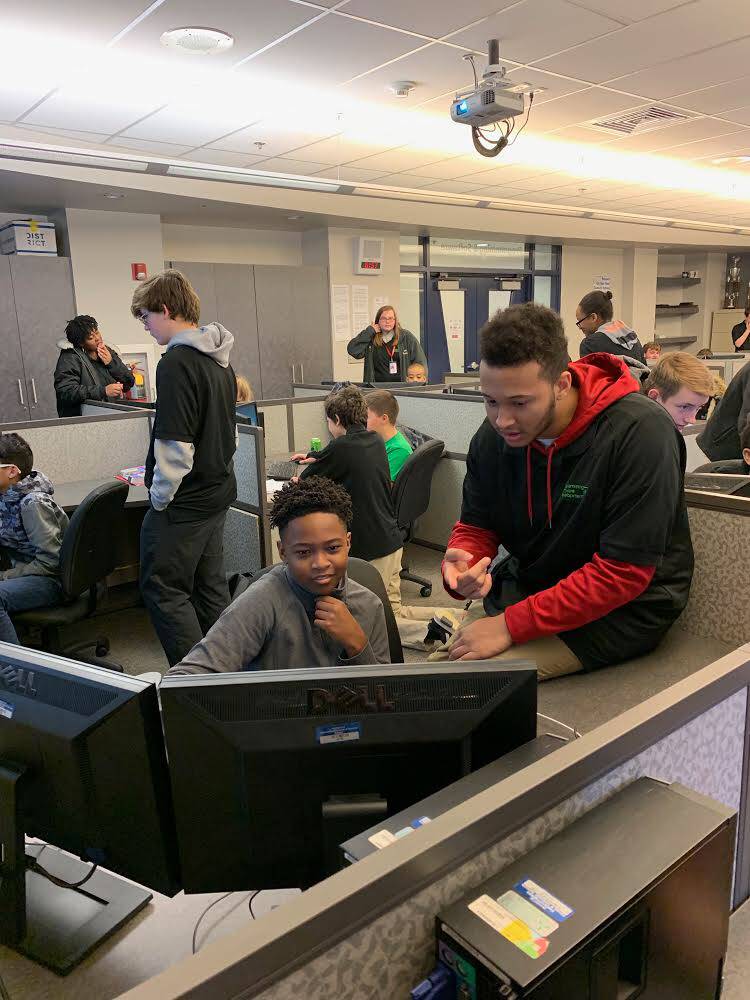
399, 194
253, 177
20, 152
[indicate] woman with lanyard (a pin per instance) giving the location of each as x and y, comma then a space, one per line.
388, 350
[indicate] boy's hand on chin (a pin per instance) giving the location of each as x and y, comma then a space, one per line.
333, 616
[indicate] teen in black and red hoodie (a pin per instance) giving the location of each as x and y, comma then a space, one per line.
580, 478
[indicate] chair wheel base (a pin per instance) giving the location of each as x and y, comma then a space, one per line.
102, 647
425, 592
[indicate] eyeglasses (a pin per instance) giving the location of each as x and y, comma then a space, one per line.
583, 319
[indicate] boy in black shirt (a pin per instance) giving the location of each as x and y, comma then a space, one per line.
189, 469
356, 458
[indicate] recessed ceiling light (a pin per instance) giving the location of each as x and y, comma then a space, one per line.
197, 41
294, 217
482, 244
113, 195
732, 159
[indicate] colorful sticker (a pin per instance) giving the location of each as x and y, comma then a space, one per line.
6, 709
382, 839
403, 832
344, 732
539, 922
512, 929
416, 823
543, 899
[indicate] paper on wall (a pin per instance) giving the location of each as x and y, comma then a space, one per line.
360, 308
342, 325
602, 283
377, 302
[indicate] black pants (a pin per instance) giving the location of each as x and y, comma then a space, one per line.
183, 582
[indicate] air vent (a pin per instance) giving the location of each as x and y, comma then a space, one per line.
488, 97
641, 120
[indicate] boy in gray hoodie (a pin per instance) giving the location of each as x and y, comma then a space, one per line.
31, 533
189, 467
305, 612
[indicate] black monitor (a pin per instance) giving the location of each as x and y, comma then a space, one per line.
83, 768
272, 770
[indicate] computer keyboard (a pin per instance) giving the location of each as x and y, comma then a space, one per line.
283, 470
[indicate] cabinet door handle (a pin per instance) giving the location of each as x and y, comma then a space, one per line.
301, 372
33, 390
294, 374
20, 393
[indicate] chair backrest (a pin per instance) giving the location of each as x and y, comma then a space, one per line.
730, 466
367, 576
87, 554
411, 487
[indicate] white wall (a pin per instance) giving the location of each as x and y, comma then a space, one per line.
102, 247
580, 265
386, 284
224, 245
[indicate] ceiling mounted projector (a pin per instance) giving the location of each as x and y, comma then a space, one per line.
491, 107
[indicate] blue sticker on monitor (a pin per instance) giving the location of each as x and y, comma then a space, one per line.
6, 710
344, 732
543, 899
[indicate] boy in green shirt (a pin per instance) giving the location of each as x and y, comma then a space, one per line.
382, 414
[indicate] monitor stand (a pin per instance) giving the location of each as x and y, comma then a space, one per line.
50, 924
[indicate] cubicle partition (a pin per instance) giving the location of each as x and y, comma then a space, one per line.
291, 423
78, 453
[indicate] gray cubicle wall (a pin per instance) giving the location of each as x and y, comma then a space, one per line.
369, 930
247, 536
88, 447
291, 423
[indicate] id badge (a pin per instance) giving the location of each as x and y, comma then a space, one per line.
393, 368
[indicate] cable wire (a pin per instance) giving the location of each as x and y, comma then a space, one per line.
4, 995
200, 918
33, 866
526, 120
250, 902
563, 725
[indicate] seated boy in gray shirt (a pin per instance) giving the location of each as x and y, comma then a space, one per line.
304, 612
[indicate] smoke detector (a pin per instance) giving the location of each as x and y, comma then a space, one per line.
196, 41
401, 88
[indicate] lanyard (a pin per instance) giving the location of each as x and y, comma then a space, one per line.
390, 351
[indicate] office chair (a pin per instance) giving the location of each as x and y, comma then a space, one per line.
411, 497
363, 573
87, 556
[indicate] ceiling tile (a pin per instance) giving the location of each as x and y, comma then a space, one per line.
339, 149
736, 144
283, 165
741, 115
577, 108
345, 173
222, 157
454, 187
406, 180
400, 159
277, 138
252, 23
165, 149
331, 50
666, 36
673, 135
715, 100
55, 134
449, 167
16, 98
87, 22
550, 86
187, 127
634, 10
436, 69
674, 76
534, 29
100, 115
440, 18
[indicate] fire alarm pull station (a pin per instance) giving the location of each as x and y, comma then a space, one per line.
139, 272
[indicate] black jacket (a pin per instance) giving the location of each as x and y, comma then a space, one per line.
357, 460
600, 343
377, 359
721, 438
737, 332
78, 378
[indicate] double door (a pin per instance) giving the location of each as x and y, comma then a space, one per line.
279, 317
456, 315
36, 301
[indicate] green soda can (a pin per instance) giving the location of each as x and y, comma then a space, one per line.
315, 444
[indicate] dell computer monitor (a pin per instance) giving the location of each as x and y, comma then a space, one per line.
272, 770
82, 768
249, 413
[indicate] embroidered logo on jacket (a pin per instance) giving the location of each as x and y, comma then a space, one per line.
574, 491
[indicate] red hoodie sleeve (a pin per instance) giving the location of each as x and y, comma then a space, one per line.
588, 593
480, 542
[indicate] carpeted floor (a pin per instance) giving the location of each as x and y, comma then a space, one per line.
737, 968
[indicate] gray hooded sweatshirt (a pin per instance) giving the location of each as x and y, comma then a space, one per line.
173, 460
31, 528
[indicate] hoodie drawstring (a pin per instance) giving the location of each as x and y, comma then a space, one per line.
529, 500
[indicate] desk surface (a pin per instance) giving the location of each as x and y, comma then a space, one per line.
69, 495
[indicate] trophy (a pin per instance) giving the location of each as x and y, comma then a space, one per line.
732, 293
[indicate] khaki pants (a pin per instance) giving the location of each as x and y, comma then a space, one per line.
550, 654
389, 568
